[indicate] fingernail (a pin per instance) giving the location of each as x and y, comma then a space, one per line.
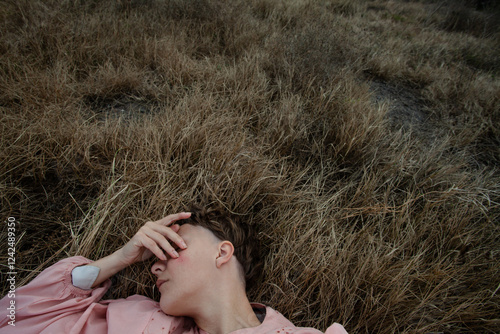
183, 245
176, 254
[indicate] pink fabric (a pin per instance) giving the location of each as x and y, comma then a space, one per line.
51, 304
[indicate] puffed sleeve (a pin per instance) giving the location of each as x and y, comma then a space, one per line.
51, 301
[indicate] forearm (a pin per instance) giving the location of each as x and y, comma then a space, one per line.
108, 266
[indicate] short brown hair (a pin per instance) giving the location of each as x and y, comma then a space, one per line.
229, 227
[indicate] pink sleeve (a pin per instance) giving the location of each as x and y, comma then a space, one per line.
49, 296
336, 329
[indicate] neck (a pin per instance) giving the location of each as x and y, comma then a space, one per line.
229, 311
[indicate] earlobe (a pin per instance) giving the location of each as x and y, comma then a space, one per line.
226, 250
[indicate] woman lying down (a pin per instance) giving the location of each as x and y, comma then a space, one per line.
204, 260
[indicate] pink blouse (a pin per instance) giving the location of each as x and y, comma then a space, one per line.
52, 304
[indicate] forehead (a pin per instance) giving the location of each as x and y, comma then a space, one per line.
195, 232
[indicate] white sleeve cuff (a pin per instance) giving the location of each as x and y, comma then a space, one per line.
84, 276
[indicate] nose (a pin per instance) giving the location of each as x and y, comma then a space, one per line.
158, 267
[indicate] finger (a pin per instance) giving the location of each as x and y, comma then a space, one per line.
152, 246
167, 232
171, 234
162, 242
168, 220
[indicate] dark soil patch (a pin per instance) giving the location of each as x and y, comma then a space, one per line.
407, 108
120, 107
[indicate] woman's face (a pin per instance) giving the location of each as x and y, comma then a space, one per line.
184, 282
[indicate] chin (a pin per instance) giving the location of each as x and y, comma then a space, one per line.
171, 308
178, 304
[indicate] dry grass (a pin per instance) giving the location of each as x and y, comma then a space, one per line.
117, 112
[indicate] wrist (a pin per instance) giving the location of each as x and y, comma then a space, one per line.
108, 266
117, 261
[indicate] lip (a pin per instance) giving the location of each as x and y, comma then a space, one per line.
159, 283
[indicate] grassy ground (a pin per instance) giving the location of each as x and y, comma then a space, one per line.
361, 139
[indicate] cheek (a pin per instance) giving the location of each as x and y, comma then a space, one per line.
182, 259
191, 261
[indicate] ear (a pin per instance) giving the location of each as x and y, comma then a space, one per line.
226, 250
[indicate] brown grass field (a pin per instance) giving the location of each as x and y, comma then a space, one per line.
360, 138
